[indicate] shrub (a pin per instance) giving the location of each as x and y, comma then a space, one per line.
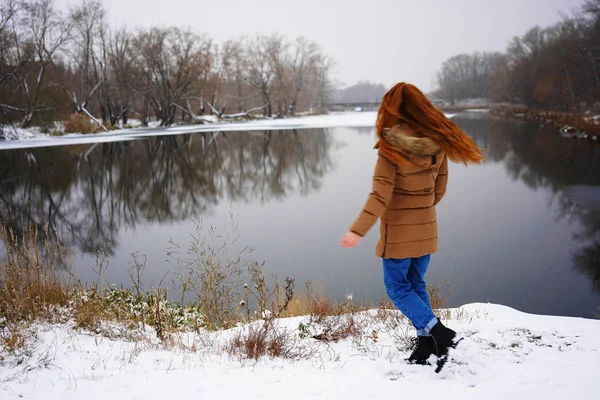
255, 341
216, 280
80, 123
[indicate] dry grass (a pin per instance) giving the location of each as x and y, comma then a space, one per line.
34, 280
36, 284
337, 327
330, 320
315, 302
13, 337
80, 123
268, 301
438, 299
34, 274
255, 341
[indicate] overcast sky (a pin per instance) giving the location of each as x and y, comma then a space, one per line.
384, 41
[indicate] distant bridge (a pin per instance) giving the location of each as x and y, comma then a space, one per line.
362, 105
374, 106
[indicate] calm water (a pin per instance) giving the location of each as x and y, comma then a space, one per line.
523, 229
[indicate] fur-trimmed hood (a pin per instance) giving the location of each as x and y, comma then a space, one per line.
400, 138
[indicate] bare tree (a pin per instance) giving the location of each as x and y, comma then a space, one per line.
281, 89
8, 11
90, 33
46, 31
10, 60
171, 60
467, 76
592, 7
323, 86
260, 70
122, 67
555, 67
213, 80
234, 63
306, 56
62, 65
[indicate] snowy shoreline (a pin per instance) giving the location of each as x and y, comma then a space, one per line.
320, 121
334, 120
504, 353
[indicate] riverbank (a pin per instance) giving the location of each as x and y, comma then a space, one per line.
350, 119
28, 139
569, 125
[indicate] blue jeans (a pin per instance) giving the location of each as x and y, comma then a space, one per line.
405, 286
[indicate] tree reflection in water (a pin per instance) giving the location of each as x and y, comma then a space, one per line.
175, 178
164, 179
540, 158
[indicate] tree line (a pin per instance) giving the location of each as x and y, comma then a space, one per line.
556, 67
55, 63
361, 92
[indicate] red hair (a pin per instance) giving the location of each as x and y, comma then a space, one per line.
405, 103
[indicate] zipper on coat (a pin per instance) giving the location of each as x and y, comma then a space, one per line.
385, 240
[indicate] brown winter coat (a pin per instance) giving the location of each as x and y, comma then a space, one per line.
404, 196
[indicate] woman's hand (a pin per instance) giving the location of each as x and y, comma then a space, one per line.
350, 240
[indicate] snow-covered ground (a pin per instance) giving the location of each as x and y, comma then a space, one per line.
505, 354
17, 133
350, 119
36, 139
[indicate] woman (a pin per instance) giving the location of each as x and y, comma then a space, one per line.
415, 141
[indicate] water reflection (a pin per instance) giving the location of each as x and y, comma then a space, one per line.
587, 259
99, 194
94, 192
570, 169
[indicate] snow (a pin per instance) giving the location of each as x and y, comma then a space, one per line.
131, 122
349, 119
595, 119
504, 354
480, 110
22, 133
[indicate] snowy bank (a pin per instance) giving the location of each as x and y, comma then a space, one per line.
505, 354
351, 119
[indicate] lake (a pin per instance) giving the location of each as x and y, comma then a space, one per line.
522, 229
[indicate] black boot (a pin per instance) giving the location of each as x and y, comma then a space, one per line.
425, 348
444, 338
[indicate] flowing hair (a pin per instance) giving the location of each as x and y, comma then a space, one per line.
405, 103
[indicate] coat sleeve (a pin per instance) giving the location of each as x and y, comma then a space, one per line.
441, 181
383, 185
